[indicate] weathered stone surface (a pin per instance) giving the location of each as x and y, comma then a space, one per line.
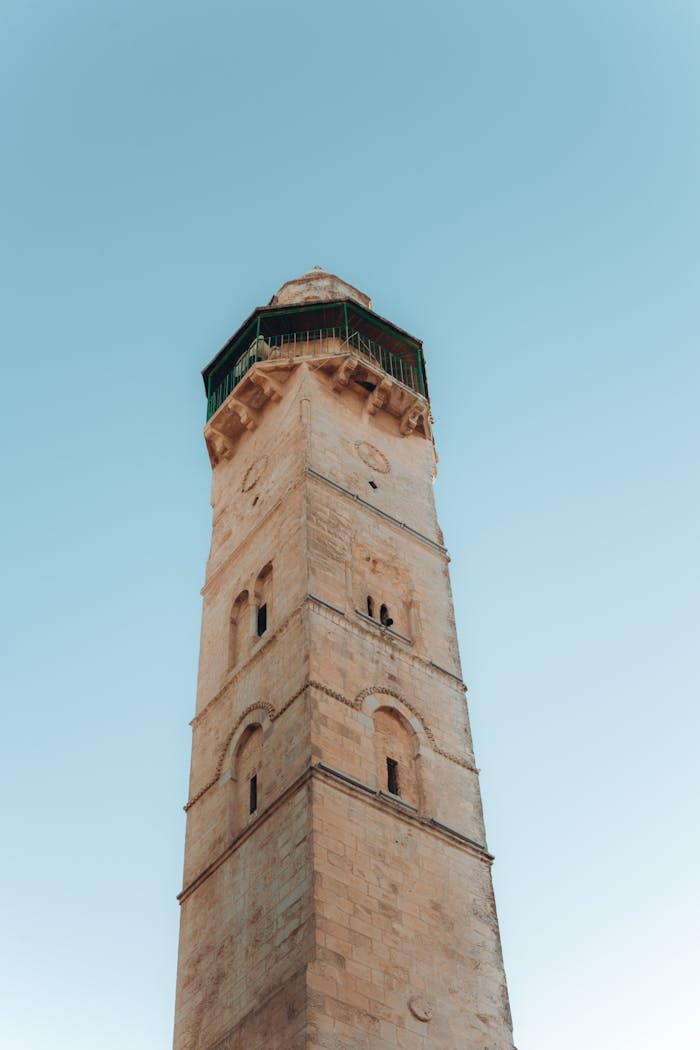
353, 908
318, 286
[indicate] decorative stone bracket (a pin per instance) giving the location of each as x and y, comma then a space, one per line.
264, 383
382, 391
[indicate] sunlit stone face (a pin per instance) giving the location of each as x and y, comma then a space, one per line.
337, 888
317, 286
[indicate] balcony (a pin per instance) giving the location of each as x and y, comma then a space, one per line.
315, 343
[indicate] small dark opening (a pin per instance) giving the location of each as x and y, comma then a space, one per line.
384, 616
370, 606
373, 485
256, 500
366, 385
254, 794
262, 619
392, 776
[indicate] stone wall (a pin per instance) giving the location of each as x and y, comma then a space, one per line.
336, 913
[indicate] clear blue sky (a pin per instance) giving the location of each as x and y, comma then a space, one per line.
517, 183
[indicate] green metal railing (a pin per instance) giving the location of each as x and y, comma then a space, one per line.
315, 342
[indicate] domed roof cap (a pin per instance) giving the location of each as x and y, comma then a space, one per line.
318, 286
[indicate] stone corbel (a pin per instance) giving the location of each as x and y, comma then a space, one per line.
217, 446
269, 387
411, 418
378, 397
343, 373
247, 416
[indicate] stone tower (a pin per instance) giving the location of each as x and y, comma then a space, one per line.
337, 887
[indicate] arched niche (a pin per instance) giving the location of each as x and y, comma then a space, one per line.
247, 776
239, 629
263, 599
396, 748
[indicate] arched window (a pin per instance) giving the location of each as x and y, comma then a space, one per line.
384, 617
239, 629
370, 605
395, 753
247, 770
263, 599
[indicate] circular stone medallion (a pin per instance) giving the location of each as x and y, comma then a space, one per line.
372, 457
253, 474
421, 1008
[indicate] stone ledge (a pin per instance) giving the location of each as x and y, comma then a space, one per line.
246, 833
361, 625
350, 785
375, 510
325, 605
348, 701
386, 630
406, 809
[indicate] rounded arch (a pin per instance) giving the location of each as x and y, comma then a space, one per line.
262, 596
375, 696
247, 750
263, 581
246, 776
397, 748
389, 714
260, 713
239, 628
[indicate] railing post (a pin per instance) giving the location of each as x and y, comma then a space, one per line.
421, 381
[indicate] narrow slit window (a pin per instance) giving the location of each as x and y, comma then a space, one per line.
392, 776
253, 802
384, 617
262, 620
373, 485
370, 606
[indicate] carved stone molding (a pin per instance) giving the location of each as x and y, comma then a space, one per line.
274, 713
260, 705
382, 690
353, 370
372, 457
253, 474
241, 410
421, 1009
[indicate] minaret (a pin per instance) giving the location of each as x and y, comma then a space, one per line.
337, 886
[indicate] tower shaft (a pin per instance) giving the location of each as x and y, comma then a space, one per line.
337, 886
